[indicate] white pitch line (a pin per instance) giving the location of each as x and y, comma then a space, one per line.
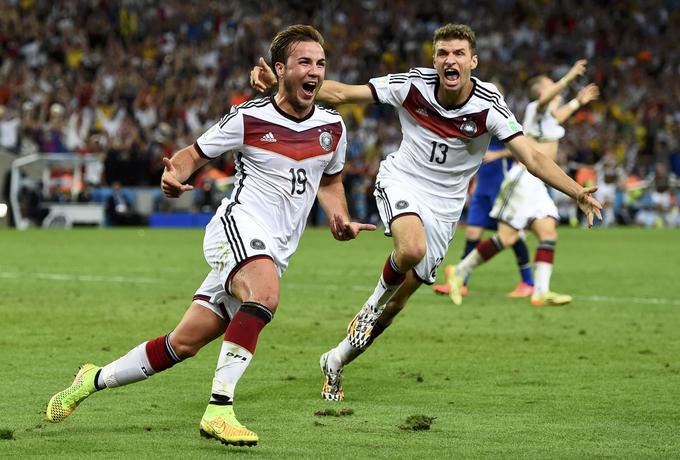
366, 288
486, 295
652, 300
86, 278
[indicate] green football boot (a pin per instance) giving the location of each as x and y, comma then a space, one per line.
219, 422
65, 402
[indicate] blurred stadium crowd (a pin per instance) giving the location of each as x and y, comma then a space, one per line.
134, 81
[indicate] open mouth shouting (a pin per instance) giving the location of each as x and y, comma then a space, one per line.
309, 88
451, 75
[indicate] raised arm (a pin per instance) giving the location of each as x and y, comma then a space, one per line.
179, 169
578, 69
587, 94
262, 78
549, 172
331, 197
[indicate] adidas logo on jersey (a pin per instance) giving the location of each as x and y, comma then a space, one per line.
423, 111
269, 137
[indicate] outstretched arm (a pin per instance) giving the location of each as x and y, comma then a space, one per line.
547, 170
262, 78
179, 169
331, 196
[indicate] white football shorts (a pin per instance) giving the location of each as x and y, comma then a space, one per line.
231, 241
395, 200
522, 199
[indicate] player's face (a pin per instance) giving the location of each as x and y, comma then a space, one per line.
454, 62
302, 75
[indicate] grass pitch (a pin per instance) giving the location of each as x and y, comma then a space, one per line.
494, 377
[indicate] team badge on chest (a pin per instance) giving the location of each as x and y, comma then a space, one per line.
469, 128
326, 141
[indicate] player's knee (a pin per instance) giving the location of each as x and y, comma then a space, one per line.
409, 255
550, 234
185, 347
508, 239
269, 299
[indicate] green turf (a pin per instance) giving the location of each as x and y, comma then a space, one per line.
598, 378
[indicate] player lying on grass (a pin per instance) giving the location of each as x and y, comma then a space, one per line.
447, 119
290, 151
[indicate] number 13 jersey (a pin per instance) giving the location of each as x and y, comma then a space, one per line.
441, 149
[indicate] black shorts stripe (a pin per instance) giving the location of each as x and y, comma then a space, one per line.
240, 167
234, 247
237, 235
385, 201
511, 191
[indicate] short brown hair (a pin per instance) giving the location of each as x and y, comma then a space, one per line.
281, 47
456, 31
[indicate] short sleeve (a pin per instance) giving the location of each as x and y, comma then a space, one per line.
501, 122
223, 136
391, 89
337, 162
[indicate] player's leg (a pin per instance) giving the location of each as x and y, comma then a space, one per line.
485, 251
256, 286
334, 360
546, 232
410, 245
526, 285
198, 327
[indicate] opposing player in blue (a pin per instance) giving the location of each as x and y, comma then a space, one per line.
496, 163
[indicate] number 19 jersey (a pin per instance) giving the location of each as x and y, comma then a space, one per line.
441, 149
280, 161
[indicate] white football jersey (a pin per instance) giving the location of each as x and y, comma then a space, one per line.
441, 149
280, 161
542, 126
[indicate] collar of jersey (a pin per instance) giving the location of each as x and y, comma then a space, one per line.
455, 107
289, 116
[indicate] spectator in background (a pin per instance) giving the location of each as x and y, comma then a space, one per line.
9, 129
119, 208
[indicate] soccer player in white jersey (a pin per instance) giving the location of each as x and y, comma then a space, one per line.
289, 152
523, 201
447, 119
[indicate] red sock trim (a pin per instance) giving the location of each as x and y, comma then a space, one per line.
244, 330
545, 255
158, 355
487, 249
391, 276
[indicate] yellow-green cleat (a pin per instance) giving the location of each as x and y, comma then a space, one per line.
455, 284
65, 402
219, 422
550, 299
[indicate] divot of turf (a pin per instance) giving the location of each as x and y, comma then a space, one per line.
417, 423
334, 413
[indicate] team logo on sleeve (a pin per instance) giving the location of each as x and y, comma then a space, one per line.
257, 244
401, 204
469, 128
326, 141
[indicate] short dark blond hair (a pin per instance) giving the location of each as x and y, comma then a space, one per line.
281, 46
456, 32
534, 83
